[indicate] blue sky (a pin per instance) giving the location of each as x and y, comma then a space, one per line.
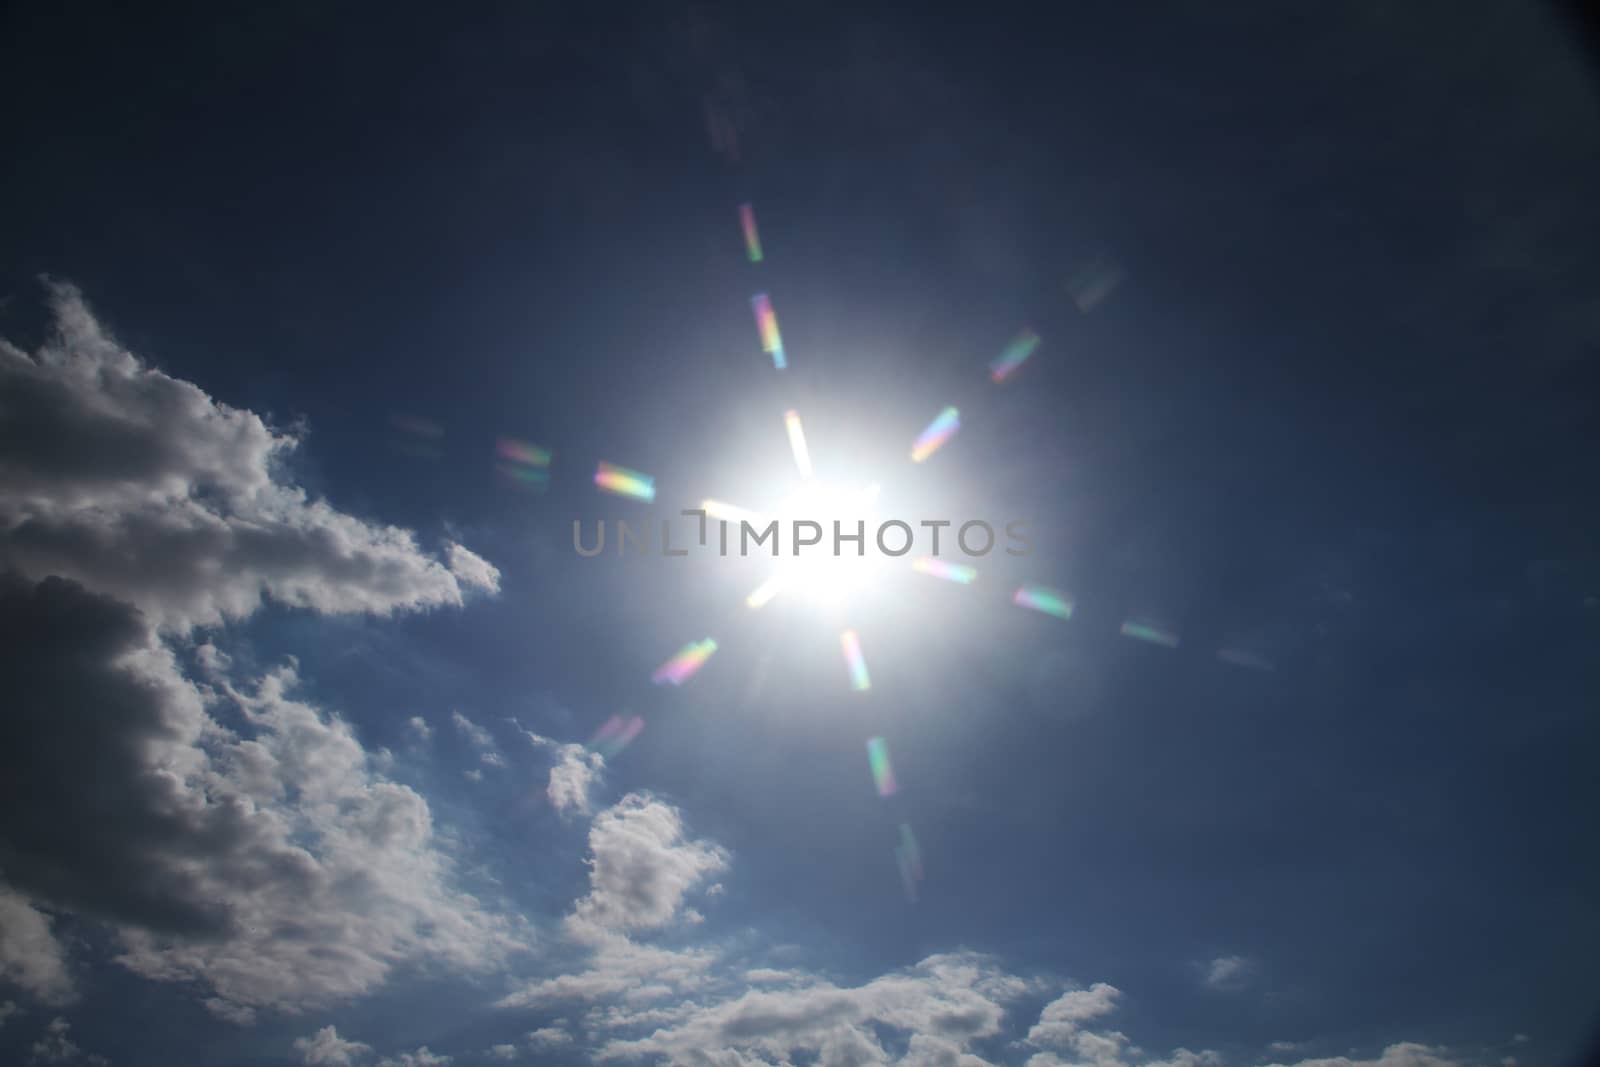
300, 760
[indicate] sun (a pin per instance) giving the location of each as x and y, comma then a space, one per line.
830, 573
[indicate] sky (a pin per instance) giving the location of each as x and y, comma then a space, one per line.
322, 744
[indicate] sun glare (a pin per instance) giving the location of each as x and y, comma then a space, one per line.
828, 573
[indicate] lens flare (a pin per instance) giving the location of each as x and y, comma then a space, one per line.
908, 857
950, 572
1091, 285
752, 238
859, 679
1043, 598
523, 463
1239, 657
682, 667
767, 323
509, 448
624, 482
1140, 631
1015, 355
764, 592
617, 734
940, 430
797, 443
882, 772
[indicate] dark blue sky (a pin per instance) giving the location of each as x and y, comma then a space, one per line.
1340, 410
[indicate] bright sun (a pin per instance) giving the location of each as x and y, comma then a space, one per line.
825, 573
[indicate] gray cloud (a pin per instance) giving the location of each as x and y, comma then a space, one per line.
269, 861
326, 1048
30, 955
142, 486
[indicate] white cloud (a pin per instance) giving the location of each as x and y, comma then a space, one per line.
228, 1011
326, 1048
548, 1037
419, 728
1228, 973
575, 773
941, 1008
768, 975
419, 1057
30, 956
641, 867
274, 864
1061, 1018
55, 1046
502, 1052
1401, 1054
336, 881
141, 486
472, 569
475, 734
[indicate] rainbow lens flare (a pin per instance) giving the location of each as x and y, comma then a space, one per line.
1093, 284
682, 667
522, 462
1140, 631
940, 430
860, 681
950, 572
752, 238
767, 323
1043, 598
764, 592
1015, 355
882, 772
797, 443
509, 448
617, 734
624, 482
908, 857
1240, 658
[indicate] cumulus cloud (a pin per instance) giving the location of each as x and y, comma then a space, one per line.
641, 866
326, 1048
1400, 1054
575, 772
30, 956
548, 1037
472, 569
418, 727
476, 735
342, 880
261, 854
57, 1046
1228, 973
142, 486
502, 1052
656, 1003
939, 1009
272, 864
1062, 1018
418, 1057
